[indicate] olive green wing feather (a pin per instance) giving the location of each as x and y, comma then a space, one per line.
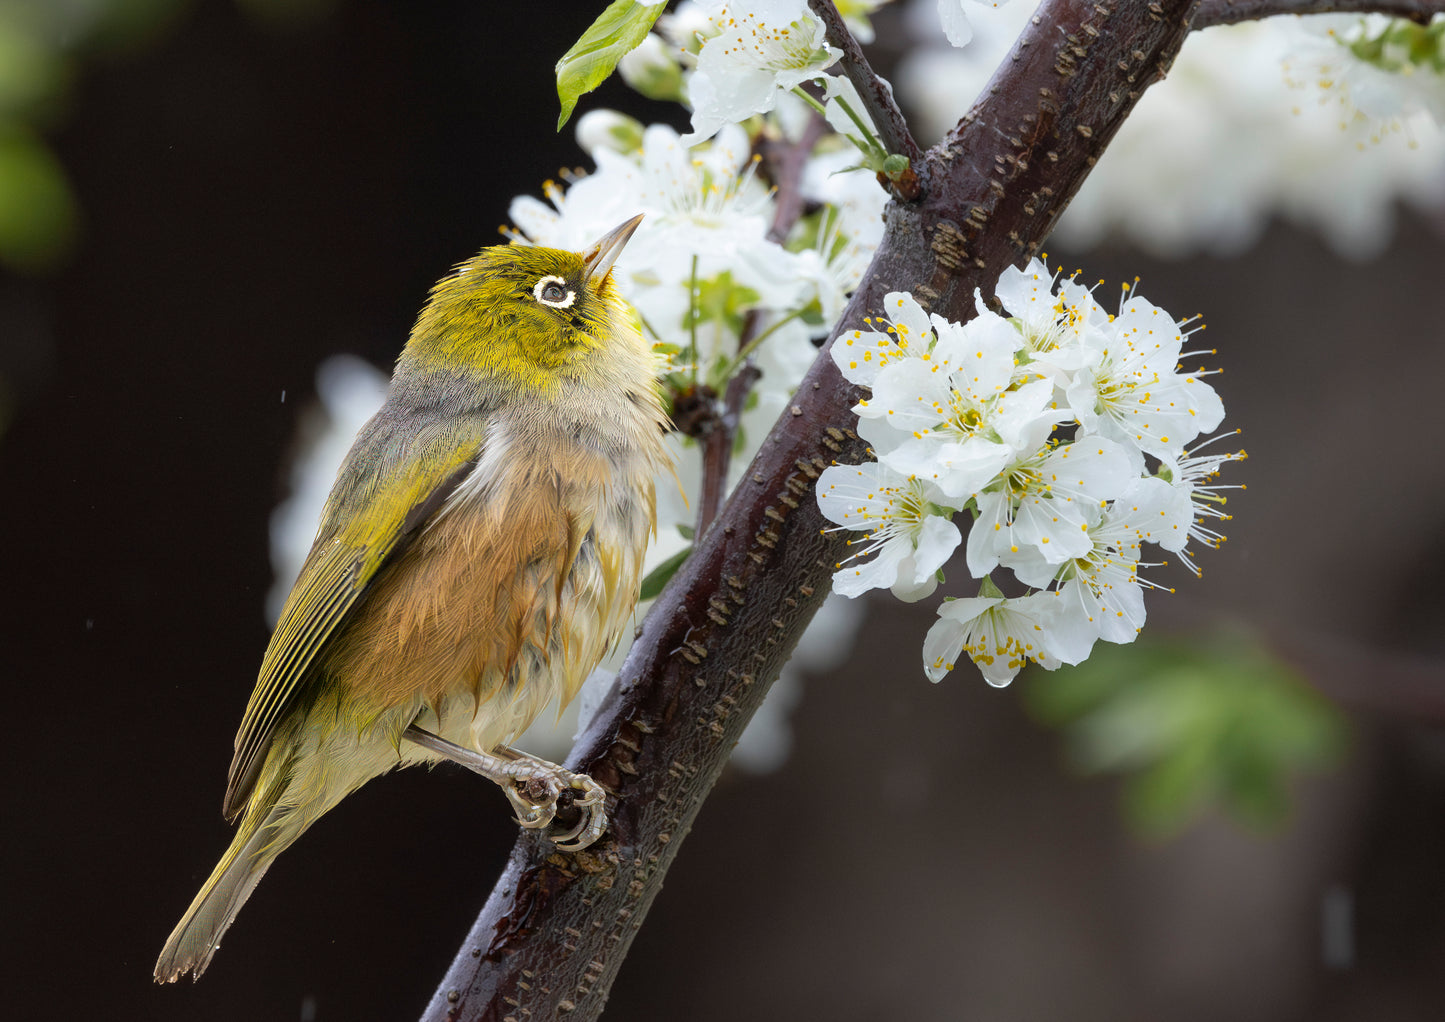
385, 493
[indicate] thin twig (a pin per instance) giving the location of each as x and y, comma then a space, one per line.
876, 94
786, 171
1230, 12
717, 446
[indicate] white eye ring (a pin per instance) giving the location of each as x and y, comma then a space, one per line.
565, 303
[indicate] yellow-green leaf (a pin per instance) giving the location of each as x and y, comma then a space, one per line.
658, 576
614, 34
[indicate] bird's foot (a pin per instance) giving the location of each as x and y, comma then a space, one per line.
532, 785
536, 790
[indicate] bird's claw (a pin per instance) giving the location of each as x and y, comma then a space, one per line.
532, 815
535, 811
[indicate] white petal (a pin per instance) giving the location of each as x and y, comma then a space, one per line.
1071, 633
1093, 465
854, 579
979, 354
913, 394
1025, 420
955, 22
1123, 613
911, 323
913, 585
959, 470
935, 544
986, 533
1026, 293
1029, 565
943, 644
1055, 527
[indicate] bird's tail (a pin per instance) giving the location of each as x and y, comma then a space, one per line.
267, 829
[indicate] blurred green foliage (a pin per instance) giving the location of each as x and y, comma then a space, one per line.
1190, 725
37, 211
42, 45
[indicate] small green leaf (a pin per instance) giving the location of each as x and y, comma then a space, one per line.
658, 576
615, 33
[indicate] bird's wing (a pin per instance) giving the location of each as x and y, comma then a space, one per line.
392, 483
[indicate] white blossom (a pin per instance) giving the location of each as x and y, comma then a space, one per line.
1219, 147
1050, 324
1046, 501
954, 417
834, 177
906, 539
1062, 429
999, 635
751, 51
1365, 74
906, 332
1101, 595
1197, 501
1128, 387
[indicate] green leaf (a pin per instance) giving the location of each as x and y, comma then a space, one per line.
658, 576
615, 33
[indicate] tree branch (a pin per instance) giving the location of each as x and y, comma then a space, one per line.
717, 445
1231, 12
554, 932
876, 94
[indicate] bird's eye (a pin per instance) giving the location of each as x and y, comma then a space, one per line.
553, 291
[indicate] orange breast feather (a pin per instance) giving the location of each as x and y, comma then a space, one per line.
473, 606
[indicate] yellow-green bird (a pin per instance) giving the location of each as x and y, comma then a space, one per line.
480, 551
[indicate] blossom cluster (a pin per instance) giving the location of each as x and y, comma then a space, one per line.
1262, 120
1373, 72
1062, 430
1059, 429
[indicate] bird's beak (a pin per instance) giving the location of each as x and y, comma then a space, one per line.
598, 257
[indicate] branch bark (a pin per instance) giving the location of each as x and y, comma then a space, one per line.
876, 94
1230, 12
554, 932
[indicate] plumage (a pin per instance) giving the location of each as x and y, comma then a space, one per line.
479, 552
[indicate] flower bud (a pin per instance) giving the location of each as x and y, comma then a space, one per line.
608, 129
652, 71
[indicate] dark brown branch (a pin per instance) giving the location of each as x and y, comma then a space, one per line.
876, 94
554, 933
717, 445
1230, 12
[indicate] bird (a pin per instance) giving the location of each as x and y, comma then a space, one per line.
480, 551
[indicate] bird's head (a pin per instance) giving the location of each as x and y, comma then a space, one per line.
521, 318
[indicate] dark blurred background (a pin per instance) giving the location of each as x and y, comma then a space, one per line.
258, 186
